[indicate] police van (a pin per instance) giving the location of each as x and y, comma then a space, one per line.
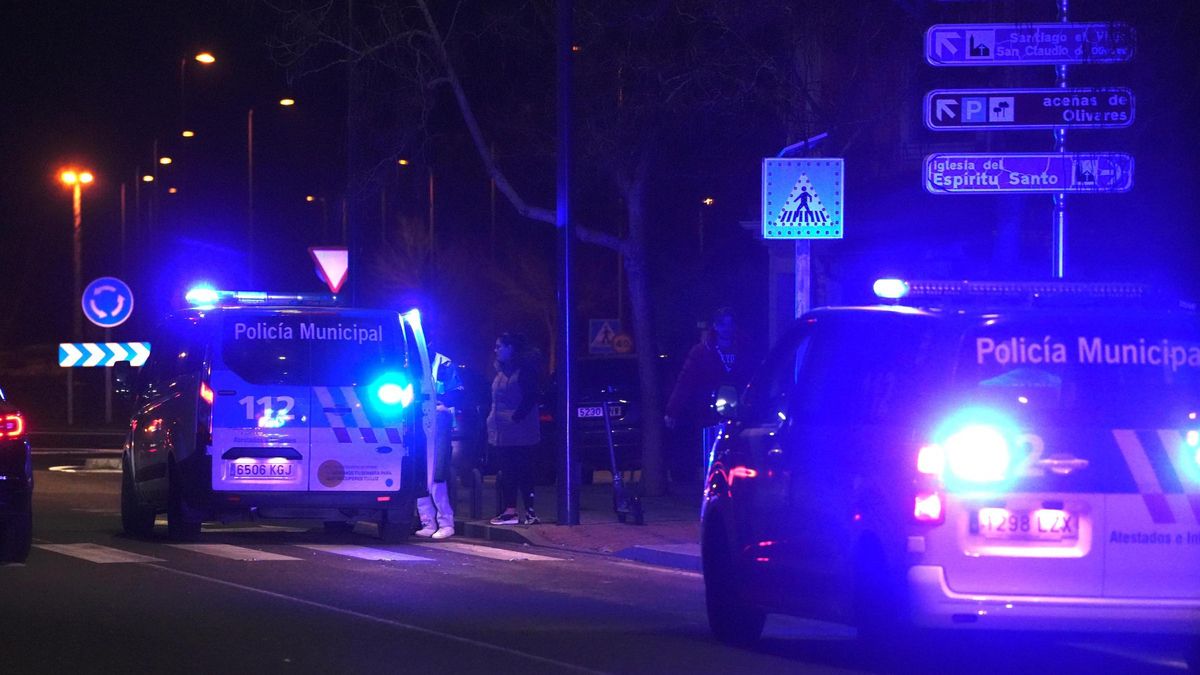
973, 457
277, 406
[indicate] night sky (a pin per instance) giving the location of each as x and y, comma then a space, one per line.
97, 83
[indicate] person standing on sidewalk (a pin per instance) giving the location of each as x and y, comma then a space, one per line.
513, 426
435, 509
720, 358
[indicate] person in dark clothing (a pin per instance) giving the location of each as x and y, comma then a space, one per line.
513, 427
720, 358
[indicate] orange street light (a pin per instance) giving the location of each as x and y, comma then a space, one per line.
285, 102
172, 190
76, 179
309, 198
707, 201
206, 58
69, 177
148, 178
187, 133
402, 162
165, 160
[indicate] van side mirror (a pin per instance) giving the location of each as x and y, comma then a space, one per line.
726, 401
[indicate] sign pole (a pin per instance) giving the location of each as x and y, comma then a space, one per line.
108, 384
1059, 224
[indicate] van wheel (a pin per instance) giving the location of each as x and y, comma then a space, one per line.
16, 535
731, 619
395, 525
136, 520
181, 524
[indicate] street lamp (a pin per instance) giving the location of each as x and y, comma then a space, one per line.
76, 179
203, 58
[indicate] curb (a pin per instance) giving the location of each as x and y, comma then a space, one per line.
477, 530
681, 556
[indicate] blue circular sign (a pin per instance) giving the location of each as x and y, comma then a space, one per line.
107, 302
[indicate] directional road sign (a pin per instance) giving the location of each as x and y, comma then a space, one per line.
1028, 44
997, 109
92, 354
802, 198
107, 302
1028, 172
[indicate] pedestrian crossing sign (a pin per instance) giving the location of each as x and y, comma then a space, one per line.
601, 334
802, 198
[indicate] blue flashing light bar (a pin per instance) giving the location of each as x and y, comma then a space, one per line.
206, 297
890, 289
894, 289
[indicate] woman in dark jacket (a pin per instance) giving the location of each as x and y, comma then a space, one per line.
513, 426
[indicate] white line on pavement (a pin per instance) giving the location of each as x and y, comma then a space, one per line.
363, 552
232, 552
97, 553
487, 551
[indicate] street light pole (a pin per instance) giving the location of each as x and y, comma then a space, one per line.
75, 180
250, 195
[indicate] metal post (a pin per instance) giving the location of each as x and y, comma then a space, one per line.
77, 267
108, 383
1059, 223
250, 195
568, 479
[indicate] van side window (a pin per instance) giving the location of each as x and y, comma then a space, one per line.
766, 398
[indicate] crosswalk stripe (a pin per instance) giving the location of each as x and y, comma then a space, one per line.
97, 553
488, 551
233, 552
363, 552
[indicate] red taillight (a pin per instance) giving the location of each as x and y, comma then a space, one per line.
13, 426
928, 508
204, 415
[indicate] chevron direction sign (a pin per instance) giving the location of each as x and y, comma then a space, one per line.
90, 354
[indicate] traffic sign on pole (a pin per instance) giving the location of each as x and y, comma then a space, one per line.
802, 198
1028, 172
92, 354
333, 265
107, 302
1049, 108
1028, 44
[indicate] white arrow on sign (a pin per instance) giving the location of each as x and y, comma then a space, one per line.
118, 350
96, 354
944, 43
141, 352
73, 355
946, 106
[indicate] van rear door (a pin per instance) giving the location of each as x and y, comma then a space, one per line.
262, 403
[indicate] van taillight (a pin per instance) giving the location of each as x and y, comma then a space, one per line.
204, 415
12, 425
928, 508
928, 503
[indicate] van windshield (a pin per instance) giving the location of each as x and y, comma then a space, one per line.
1132, 370
311, 349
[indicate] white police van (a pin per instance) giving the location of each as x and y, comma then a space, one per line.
279, 406
980, 457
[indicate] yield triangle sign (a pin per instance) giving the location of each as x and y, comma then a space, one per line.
333, 263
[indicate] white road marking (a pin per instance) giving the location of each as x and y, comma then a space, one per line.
488, 551
387, 622
640, 566
233, 552
97, 553
363, 552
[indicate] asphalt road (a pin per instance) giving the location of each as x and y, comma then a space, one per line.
264, 598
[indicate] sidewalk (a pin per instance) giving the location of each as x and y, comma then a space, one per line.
669, 537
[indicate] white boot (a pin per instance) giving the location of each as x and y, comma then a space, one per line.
427, 513
445, 512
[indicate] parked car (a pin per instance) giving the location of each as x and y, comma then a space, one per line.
16, 485
983, 457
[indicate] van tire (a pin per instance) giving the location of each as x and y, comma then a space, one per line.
395, 525
181, 525
732, 620
136, 520
16, 534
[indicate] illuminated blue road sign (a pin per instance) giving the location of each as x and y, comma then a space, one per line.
92, 354
1028, 44
107, 302
997, 109
1028, 172
802, 198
